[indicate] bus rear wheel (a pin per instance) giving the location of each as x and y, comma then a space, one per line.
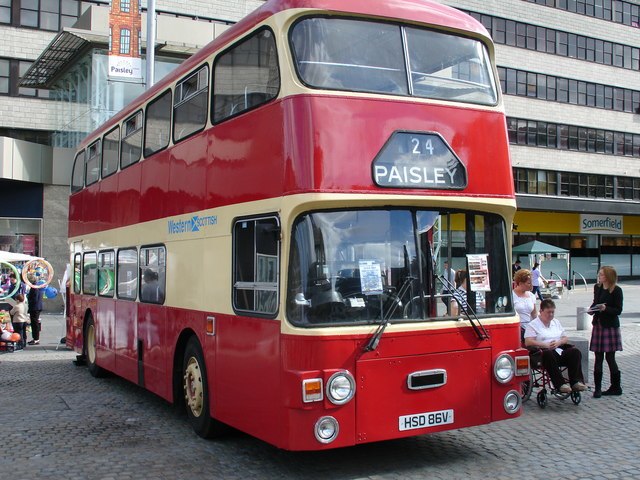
90, 351
196, 392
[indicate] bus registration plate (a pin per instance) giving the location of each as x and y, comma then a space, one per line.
425, 420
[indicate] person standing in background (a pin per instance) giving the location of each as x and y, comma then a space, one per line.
515, 267
536, 278
605, 336
524, 301
19, 317
34, 297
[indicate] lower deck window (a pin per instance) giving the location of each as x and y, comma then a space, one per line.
363, 266
256, 251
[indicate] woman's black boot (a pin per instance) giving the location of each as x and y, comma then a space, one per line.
615, 388
597, 380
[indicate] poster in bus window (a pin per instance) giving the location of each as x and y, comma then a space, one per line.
370, 277
478, 265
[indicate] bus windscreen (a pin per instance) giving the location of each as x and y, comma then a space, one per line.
368, 266
365, 56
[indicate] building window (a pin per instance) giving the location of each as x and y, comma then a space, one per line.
582, 185
125, 41
572, 137
125, 6
50, 15
5, 11
23, 66
29, 13
626, 13
4, 76
522, 35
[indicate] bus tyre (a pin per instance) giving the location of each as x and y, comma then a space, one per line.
90, 348
196, 392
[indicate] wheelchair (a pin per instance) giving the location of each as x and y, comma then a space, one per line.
540, 379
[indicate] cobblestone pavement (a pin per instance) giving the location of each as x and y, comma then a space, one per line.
58, 422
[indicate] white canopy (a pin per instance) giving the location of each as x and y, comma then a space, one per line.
15, 257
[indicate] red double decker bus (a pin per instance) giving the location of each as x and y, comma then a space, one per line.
261, 236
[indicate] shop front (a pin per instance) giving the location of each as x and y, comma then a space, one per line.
592, 240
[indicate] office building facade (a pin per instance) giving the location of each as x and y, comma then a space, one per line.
570, 75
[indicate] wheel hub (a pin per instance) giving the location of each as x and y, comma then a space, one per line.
193, 387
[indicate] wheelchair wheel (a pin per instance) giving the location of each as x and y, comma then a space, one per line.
527, 387
542, 398
576, 398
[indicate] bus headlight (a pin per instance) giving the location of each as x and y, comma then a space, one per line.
512, 402
341, 388
504, 368
326, 429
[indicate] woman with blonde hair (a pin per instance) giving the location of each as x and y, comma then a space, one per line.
524, 301
605, 337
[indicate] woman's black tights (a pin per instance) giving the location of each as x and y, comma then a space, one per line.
611, 361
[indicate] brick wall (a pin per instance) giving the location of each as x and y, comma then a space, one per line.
119, 20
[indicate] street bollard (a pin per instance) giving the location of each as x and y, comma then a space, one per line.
582, 344
582, 318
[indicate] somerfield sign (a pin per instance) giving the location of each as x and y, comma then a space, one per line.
607, 224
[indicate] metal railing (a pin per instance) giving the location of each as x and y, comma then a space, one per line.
573, 280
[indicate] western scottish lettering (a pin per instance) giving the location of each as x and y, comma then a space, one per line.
194, 224
418, 160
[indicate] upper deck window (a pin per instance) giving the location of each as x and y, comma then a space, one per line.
190, 104
245, 76
110, 152
158, 126
356, 55
77, 177
131, 140
92, 172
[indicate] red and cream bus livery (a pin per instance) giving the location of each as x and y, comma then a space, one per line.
261, 236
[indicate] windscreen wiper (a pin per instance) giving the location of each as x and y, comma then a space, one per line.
468, 311
372, 344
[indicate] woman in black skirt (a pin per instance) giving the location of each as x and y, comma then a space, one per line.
605, 337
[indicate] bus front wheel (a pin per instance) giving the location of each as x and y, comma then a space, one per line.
90, 348
196, 392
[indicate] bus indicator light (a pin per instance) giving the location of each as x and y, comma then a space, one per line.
522, 365
312, 390
211, 325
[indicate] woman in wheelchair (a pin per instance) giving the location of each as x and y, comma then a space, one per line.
545, 338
